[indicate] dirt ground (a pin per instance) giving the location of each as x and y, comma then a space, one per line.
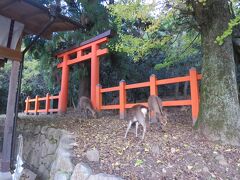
178, 153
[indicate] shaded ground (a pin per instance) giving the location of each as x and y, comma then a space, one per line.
179, 153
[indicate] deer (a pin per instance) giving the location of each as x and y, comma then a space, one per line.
85, 105
155, 106
137, 114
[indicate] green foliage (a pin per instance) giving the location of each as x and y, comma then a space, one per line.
187, 45
142, 29
4, 83
233, 23
137, 27
33, 82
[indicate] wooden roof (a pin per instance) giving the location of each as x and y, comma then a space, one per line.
34, 16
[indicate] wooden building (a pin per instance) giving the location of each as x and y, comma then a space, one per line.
19, 18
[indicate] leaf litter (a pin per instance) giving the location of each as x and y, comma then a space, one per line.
178, 153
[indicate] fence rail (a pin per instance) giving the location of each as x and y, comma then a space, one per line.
153, 84
47, 107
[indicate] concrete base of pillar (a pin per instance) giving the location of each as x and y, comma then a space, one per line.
5, 176
122, 115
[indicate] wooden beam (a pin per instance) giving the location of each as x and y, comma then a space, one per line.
7, 5
10, 54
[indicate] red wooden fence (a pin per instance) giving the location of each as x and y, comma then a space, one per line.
37, 101
153, 83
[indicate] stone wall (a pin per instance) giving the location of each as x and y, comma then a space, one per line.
47, 151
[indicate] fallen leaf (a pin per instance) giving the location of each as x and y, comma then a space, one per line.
138, 162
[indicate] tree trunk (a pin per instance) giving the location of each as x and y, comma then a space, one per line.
185, 89
219, 109
84, 88
176, 90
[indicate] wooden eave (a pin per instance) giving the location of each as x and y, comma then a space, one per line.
34, 16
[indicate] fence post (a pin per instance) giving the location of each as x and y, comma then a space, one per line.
36, 105
47, 103
122, 98
27, 105
51, 103
153, 85
194, 94
98, 97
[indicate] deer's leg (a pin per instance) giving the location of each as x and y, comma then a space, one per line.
81, 112
85, 113
159, 116
144, 130
137, 128
128, 128
88, 110
149, 114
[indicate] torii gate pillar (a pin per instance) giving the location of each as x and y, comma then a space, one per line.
80, 54
94, 74
63, 96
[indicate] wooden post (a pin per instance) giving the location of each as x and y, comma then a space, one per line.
194, 94
63, 96
47, 103
51, 103
94, 73
122, 98
27, 106
153, 90
153, 85
98, 97
10, 114
36, 105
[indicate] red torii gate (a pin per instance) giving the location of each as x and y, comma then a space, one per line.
88, 50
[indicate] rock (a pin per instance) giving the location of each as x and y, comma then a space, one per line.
81, 171
5, 176
37, 130
93, 155
44, 130
205, 169
43, 172
155, 149
27, 175
173, 150
219, 157
221, 160
66, 141
164, 170
103, 176
51, 146
62, 162
54, 133
61, 176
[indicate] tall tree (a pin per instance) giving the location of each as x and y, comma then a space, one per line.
219, 111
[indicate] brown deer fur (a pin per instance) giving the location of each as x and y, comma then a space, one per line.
156, 108
137, 114
84, 105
